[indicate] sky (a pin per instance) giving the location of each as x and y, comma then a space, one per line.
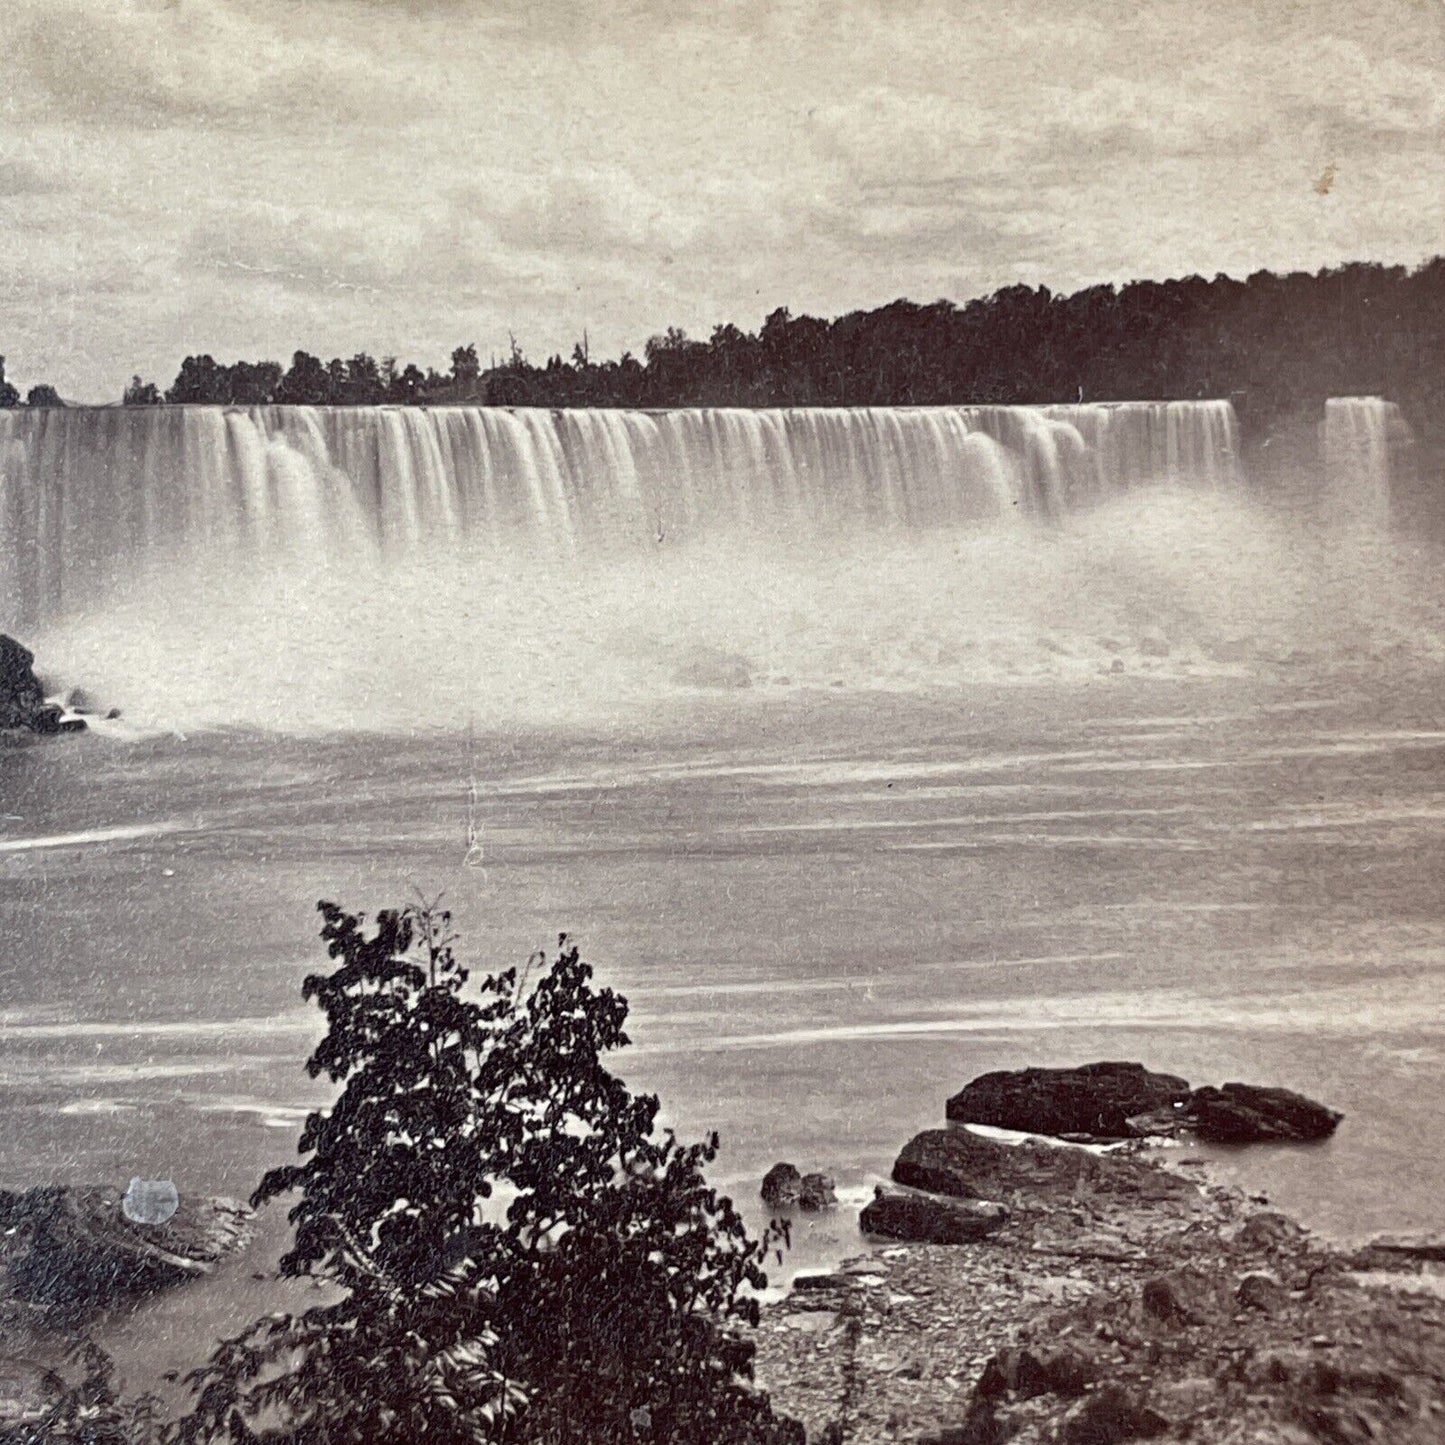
246, 177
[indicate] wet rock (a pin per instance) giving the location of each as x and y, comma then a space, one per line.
781, 1186
928, 1219
74, 1248
965, 1165
1271, 1230
1181, 1297
1251, 1113
1095, 1100
1111, 1414
22, 698
817, 1191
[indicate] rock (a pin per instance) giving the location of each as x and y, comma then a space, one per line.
965, 1165
1426, 1247
1181, 1297
817, 1191
1271, 1230
1094, 1100
1251, 1113
1027, 1372
22, 698
782, 1185
1261, 1290
1153, 643
927, 1219
1112, 1413
67, 1248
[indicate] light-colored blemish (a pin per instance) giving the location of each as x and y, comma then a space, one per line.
150, 1201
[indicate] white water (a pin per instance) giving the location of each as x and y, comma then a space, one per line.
305, 568
1359, 432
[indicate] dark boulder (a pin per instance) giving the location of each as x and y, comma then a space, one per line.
1111, 1414
1025, 1372
927, 1219
22, 698
781, 1185
1252, 1114
966, 1165
817, 1191
1181, 1297
1094, 1101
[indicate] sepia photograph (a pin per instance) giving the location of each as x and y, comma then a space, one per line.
722, 722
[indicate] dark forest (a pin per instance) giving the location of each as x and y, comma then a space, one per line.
1271, 344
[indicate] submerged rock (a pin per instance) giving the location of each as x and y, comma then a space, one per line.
1250, 1114
1095, 1101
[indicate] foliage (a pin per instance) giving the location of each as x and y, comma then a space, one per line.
517, 1253
141, 393
9, 396
90, 1411
43, 395
1271, 342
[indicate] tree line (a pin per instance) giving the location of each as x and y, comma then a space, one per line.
1271, 343
41, 394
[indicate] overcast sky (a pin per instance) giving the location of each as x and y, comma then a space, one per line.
248, 176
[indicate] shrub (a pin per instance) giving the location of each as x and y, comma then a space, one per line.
517, 1253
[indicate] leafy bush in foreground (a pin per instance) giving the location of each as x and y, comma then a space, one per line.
516, 1253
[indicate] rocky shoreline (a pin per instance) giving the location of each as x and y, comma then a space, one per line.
1101, 1297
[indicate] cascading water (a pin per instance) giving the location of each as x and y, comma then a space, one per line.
1359, 435
90, 497
396, 567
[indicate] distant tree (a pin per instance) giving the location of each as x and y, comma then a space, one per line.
141, 393
466, 371
364, 385
43, 395
198, 381
519, 1256
409, 388
9, 396
306, 383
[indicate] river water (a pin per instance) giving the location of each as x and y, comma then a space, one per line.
1164, 784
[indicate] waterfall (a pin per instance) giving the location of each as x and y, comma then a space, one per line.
1359, 433
91, 498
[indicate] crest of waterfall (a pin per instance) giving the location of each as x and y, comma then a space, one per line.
92, 498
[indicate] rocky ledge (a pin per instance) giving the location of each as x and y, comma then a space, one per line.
23, 708
1111, 1298
1109, 1101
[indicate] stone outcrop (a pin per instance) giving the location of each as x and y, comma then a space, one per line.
1110, 1101
1094, 1101
23, 708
